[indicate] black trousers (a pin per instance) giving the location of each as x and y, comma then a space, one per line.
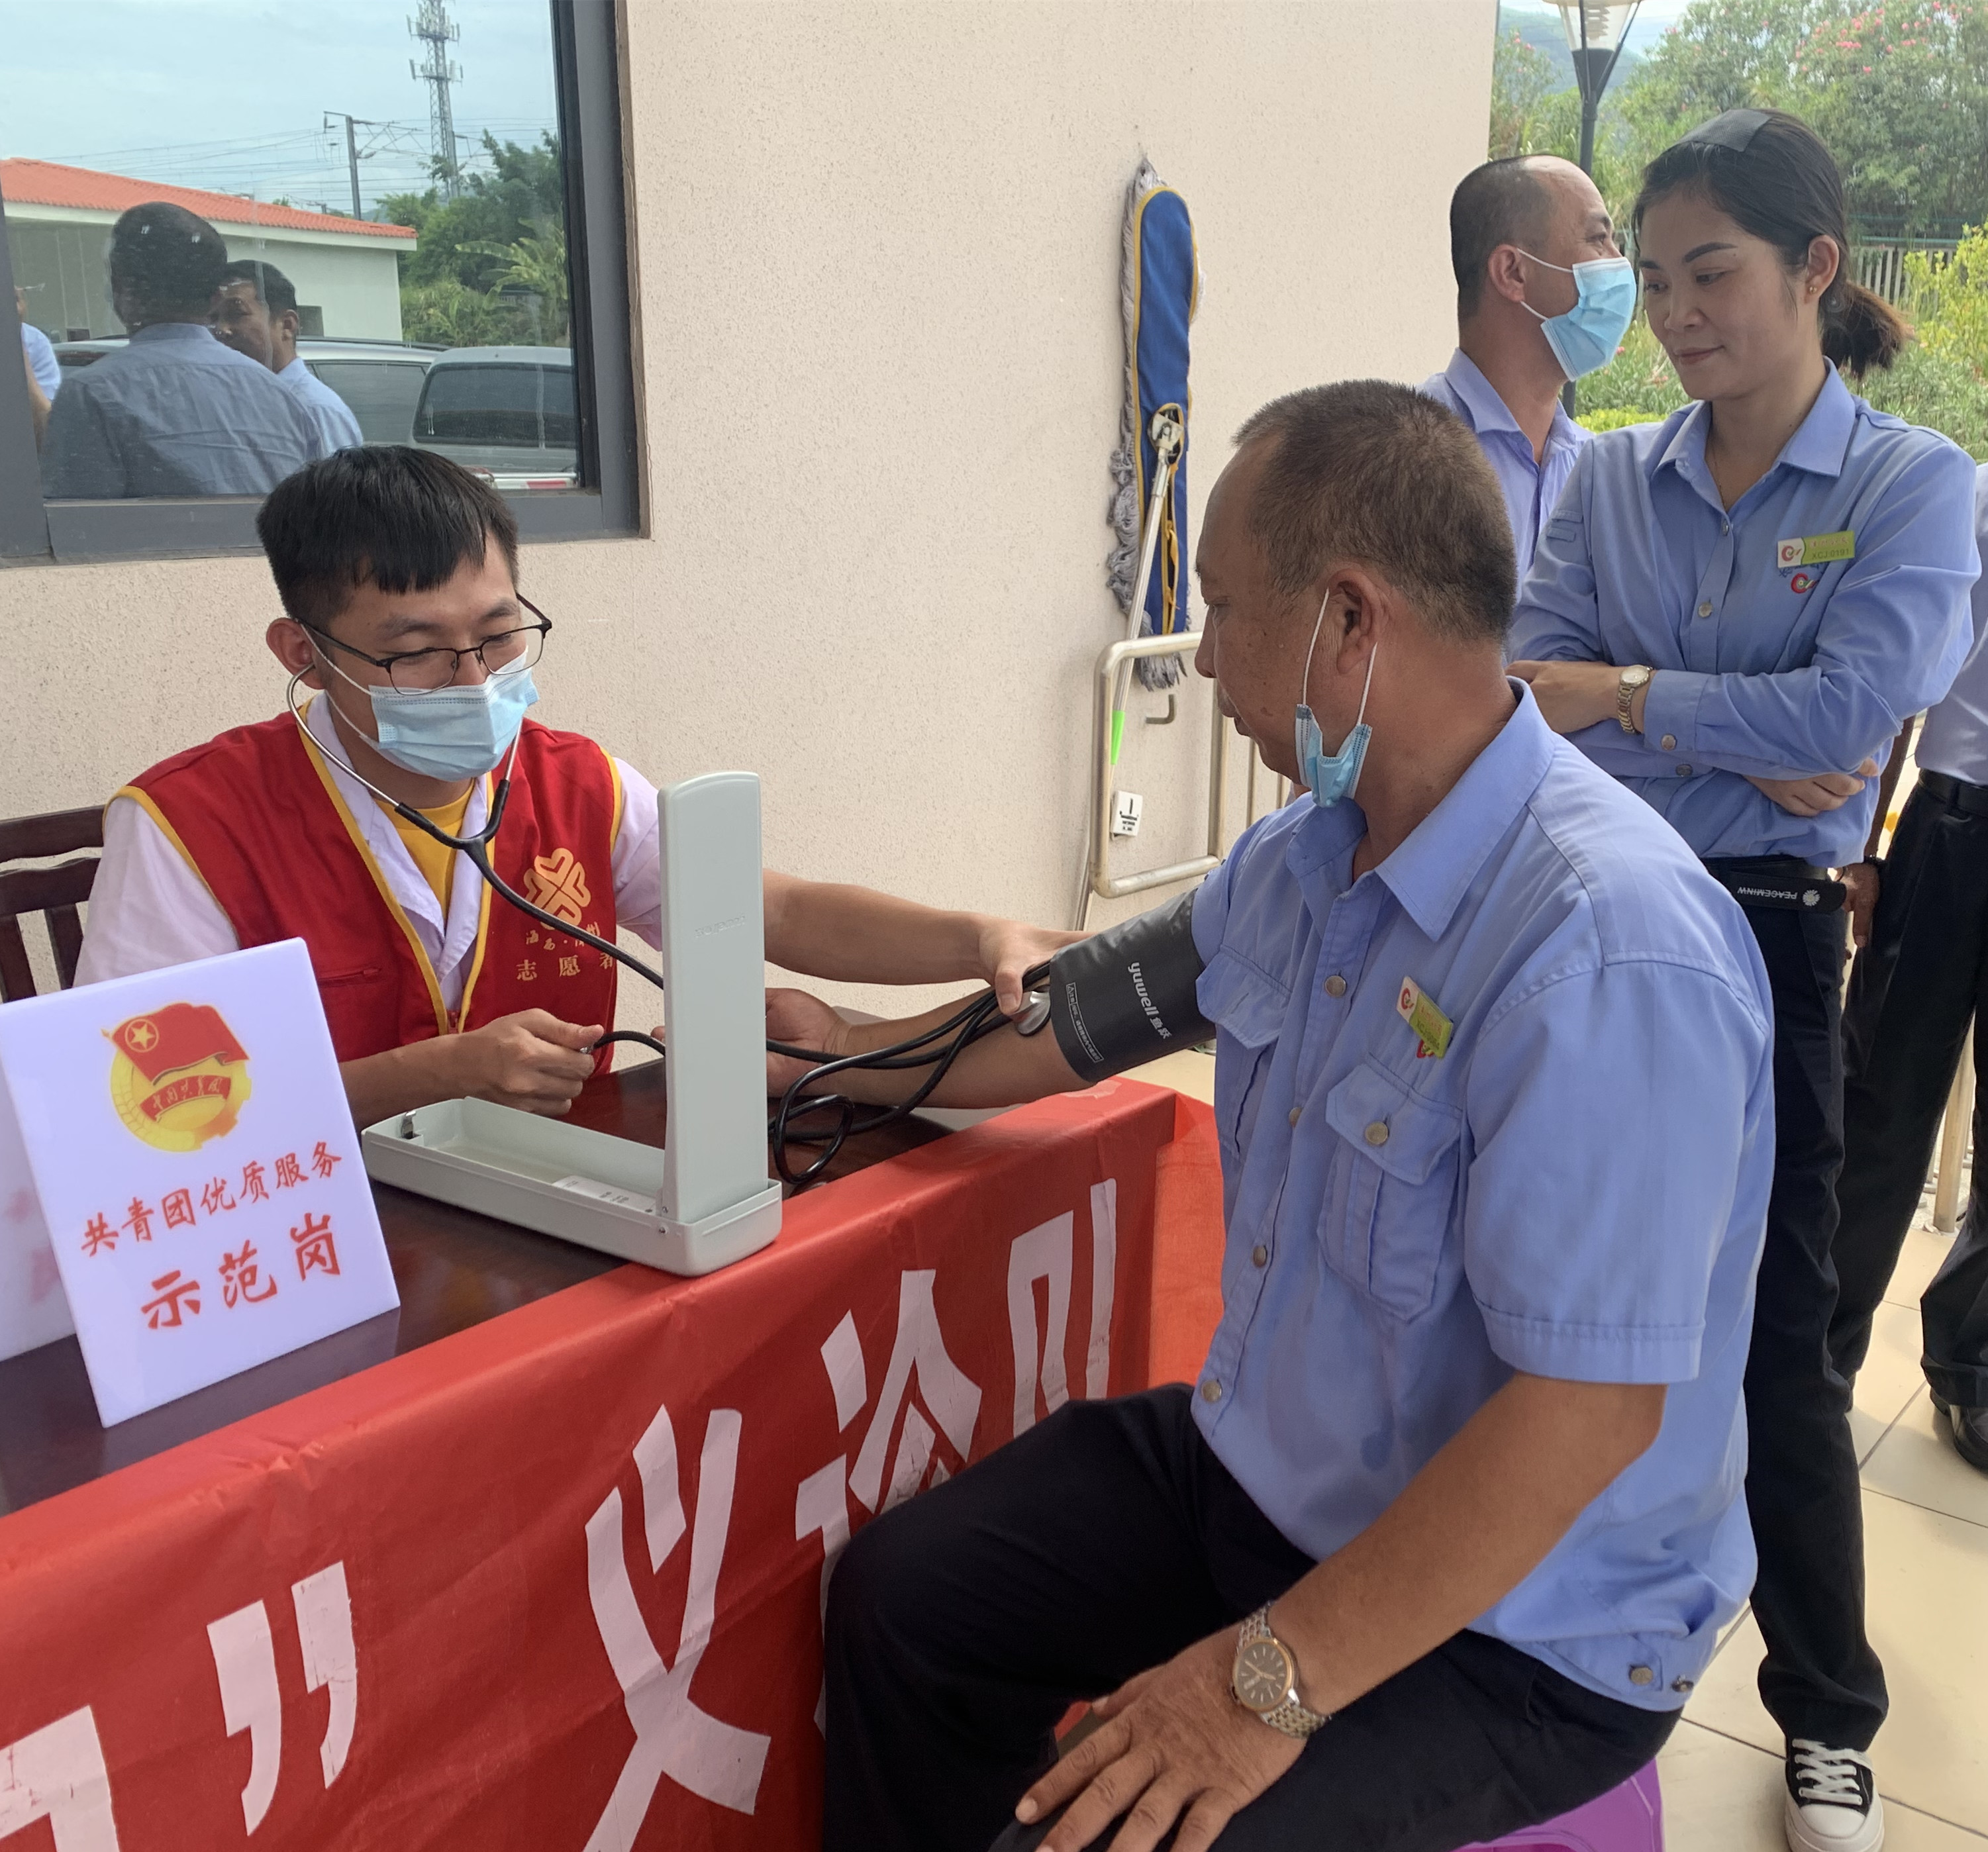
963, 1624
1922, 976
1820, 1679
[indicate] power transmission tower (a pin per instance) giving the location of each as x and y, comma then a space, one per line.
434, 28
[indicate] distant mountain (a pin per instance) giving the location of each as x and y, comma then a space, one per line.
1543, 32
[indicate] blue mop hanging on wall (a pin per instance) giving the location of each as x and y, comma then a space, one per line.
1159, 288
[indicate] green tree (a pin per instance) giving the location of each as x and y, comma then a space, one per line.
1900, 92
1522, 78
490, 265
534, 282
1949, 299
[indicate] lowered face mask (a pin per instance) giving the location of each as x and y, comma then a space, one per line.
1604, 304
1331, 775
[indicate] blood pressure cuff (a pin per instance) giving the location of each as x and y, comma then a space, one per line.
1127, 995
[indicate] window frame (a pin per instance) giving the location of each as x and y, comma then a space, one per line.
587, 75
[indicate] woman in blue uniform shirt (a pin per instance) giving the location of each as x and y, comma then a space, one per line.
1733, 612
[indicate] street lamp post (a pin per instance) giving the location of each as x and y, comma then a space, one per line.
1595, 30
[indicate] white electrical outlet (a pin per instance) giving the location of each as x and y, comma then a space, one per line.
1126, 808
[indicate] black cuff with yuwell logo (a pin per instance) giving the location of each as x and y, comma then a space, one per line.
1127, 995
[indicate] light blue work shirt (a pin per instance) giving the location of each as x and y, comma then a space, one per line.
173, 412
1532, 487
1762, 668
337, 429
42, 361
1956, 739
1577, 1189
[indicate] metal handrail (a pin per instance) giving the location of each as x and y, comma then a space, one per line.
1100, 880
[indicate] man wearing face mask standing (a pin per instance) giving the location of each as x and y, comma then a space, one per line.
1542, 296
398, 571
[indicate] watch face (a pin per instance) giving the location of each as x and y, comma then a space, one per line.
1262, 1676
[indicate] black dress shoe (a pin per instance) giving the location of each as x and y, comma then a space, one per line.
1970, 1435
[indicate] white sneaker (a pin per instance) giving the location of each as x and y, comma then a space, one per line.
1832, 1803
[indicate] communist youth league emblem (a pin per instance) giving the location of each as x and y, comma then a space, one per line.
558, 883
178, 1077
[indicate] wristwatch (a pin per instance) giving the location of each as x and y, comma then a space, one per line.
1626, 693
1265, 1679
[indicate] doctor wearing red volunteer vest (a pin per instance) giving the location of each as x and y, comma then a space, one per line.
1731, 612
397, 572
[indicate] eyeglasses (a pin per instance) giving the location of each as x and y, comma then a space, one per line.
509, 652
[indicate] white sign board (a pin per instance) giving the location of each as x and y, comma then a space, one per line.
192, 1159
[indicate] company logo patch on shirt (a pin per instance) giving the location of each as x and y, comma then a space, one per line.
1815, 549
1419, 1012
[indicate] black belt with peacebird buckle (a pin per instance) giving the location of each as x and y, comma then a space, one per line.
1778, 880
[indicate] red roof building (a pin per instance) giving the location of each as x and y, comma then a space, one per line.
47, 183
346, 271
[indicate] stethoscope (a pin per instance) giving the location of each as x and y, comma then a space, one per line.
978, 1016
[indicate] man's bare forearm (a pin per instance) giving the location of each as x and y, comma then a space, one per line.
1002, 1069
855, 935
397, 1080
1467, 1529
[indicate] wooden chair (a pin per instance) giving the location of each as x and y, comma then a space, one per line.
55, 892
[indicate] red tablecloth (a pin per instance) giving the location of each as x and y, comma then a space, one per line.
554, 1582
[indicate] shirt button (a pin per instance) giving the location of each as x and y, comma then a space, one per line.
1259, 1255
1684, 771
1211, 1391
1704, 610
1681, 1684
1377, 1133
1335, 985
1669, 742
1296, 1112
1726, 527
1641, 1674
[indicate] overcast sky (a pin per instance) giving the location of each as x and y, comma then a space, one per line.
231, 94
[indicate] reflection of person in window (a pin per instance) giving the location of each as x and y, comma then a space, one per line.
256, 314
173, 413
44, 370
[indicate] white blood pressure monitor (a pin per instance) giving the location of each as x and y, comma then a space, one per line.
705, 1200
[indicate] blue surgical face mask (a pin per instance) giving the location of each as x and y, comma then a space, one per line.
1604, 304
1331, 775
456, 733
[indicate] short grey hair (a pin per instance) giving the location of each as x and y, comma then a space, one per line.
1368, 472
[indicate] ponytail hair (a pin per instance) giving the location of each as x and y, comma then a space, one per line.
1770, 173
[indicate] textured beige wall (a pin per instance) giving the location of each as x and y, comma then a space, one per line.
878, 250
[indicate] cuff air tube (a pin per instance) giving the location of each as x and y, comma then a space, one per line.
1127, 995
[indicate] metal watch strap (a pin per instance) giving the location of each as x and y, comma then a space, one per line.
1626, 692
1292, 1717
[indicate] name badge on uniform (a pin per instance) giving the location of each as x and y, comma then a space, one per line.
1419, 1010
1815, 549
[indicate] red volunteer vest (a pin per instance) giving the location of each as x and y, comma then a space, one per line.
256, 814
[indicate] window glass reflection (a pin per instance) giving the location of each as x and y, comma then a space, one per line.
220, 278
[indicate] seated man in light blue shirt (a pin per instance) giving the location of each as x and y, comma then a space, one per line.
256, 314
1517, 229
173, 412
1465, 1459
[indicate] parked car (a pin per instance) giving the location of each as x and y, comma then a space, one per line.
71, 355
505, 414
380, 380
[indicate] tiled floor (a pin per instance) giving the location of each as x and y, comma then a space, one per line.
1925, 1516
